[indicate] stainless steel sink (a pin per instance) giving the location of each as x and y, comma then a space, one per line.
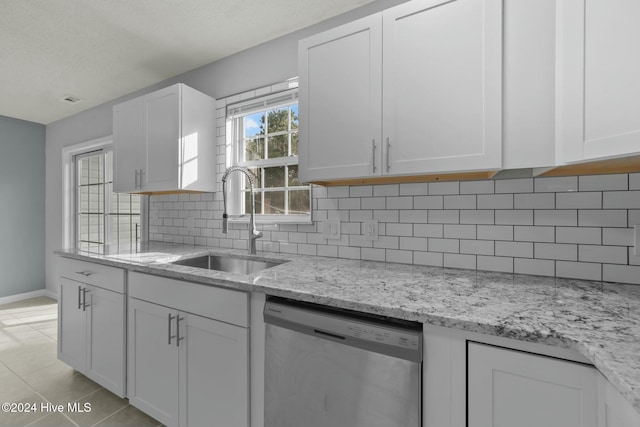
229, 264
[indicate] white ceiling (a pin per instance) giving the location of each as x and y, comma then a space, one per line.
99, 50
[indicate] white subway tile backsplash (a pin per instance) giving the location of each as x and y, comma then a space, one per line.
514, 249
414, 189
521, 185
603, 254
413, 243
603, 182
435, 259
556, 184
495, 201
460, 261
514, 217
386, 190
402, 257
477, 187
460, 202
477, 247
582, 200
576, 227
559, 218
621, 200
360, 191
602, 218
559, 251
477, 217
428, 230
452, 187
401, 202
443, 245
523, 233
621, 273
579, 270
617, 236
495, 232
444, 216
458, 231
494, 263
428, 202
536, 267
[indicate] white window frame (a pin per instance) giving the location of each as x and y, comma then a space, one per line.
234, 146
69, 193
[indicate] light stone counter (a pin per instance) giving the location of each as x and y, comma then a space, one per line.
599, 320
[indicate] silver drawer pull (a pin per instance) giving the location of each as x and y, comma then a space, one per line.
85, 273
85, 291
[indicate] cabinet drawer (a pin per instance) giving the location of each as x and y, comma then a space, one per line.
226, 305
103, 276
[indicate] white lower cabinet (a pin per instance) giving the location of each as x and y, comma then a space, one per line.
513, 388
185, 367
614, 409
91, 322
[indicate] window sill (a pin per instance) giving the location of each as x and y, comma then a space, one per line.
271, 219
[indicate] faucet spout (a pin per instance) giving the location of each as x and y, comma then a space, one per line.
254, 234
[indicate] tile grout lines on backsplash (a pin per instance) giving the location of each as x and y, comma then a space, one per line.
573, 227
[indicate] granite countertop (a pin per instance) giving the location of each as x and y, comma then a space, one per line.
601, 321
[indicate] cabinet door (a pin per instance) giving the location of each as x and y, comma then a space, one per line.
616, 410
512, 388
106, 323
72, 330
129, 141
598, 72
213, 373
153, 361
162, 131
340, 101
442, 86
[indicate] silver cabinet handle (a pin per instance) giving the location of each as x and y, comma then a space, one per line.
79, 292
373, 147
388, 150
85, 291
178, 320
169, 327
85, 273
141, 179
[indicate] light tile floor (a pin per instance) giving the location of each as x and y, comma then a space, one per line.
30, 372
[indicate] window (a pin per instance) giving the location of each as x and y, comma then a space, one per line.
103, 217
264, 139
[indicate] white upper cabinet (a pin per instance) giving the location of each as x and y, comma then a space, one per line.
598, 79
165, 141
415, 89
442, 86
340, 101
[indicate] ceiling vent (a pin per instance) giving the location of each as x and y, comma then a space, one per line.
70, 99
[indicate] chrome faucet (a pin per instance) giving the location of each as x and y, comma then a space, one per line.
253, 232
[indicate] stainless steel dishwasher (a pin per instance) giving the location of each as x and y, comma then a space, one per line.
328, 367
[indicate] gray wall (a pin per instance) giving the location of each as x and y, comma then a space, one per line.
22, 206
238, 73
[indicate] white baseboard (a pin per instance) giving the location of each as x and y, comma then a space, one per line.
49, 293
27, 295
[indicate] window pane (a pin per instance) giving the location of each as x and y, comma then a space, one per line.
278, 120
254, 149
274, 202
294, 181
294, 116
247, 202
278, 146
299, 202
257, 173
274, 177
253, 125
294, 144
